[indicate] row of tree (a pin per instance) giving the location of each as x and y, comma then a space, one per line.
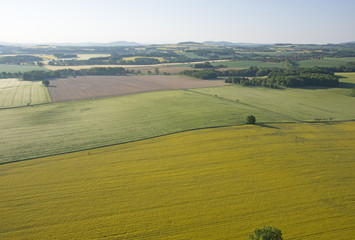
119, 59
201, 74
20, 59
295, 77
63, 55
11, 75
275, 77
203, 65
98, 71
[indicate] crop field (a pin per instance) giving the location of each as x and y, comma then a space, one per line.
19, 68
326, 62
191, 55
170, 69
303, 104
161, 59
71, 126
14, 93
217, 183
88, 56
247, 64
87, 87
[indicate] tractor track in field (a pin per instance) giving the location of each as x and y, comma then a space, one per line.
248, 105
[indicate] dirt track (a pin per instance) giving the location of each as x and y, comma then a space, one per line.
88, 87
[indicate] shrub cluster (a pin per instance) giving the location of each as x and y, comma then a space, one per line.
203, 65
202, 74
294, 77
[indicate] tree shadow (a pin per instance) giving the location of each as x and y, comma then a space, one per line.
346, 85
266, 126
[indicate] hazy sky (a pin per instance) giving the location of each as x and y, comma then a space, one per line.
168, 21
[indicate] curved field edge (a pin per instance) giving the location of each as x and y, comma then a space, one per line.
55, 128
217, 183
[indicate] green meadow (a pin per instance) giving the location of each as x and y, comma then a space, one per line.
19, 68
326, 62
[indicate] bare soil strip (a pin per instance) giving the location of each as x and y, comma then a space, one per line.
89, 87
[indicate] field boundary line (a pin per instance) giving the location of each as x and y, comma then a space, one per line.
132, 141
24, 106
247, 104
167, 134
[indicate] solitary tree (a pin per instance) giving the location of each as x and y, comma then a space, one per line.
156, 71
266, 233
250, 119
45, 83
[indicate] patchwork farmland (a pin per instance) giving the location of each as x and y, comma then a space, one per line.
155, 156
88, 87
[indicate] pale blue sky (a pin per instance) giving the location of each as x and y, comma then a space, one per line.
168, 21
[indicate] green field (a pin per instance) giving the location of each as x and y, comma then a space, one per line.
19, 68
192, 55
326, 62
70, 126
14, 93
304, 104
208, 184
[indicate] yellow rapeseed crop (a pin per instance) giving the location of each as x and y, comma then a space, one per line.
217, 183
50, 57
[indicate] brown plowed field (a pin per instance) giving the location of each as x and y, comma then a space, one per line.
88, 87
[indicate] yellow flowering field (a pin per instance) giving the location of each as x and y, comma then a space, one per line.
218, 183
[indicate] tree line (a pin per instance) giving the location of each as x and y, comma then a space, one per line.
63, 55
295, 77
201, 74
275, 77
63, 73
118, 59
20, 59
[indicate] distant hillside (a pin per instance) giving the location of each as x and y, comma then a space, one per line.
122, 43
223, 43
190, 43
